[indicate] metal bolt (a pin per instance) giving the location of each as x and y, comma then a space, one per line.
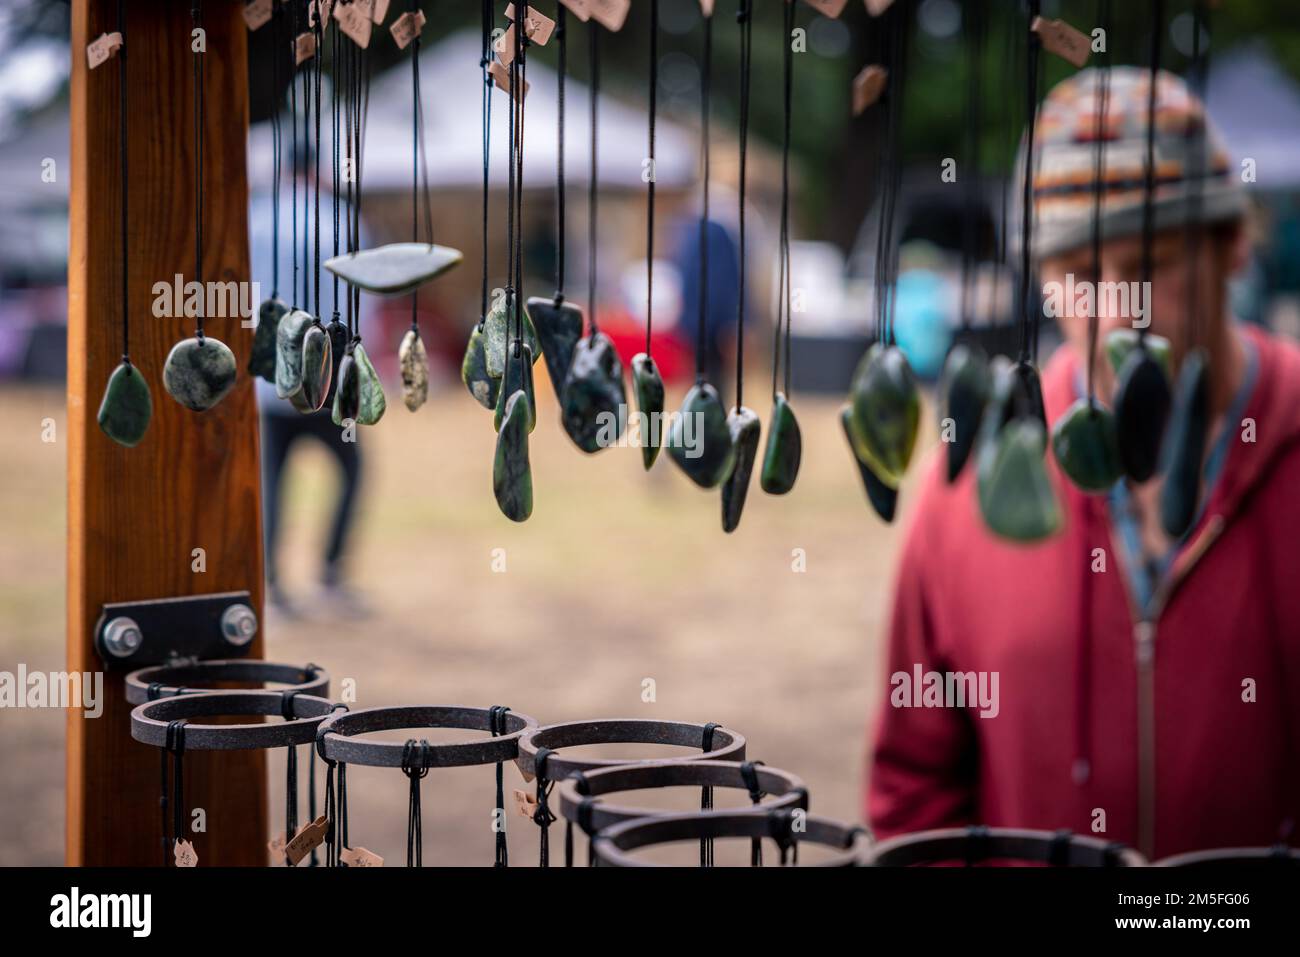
122, 637
239, 624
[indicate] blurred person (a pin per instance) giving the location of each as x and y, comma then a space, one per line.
723, 284
1154, 700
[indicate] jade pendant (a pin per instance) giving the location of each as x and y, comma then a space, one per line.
784, 449
371, 403
415, 369
1015, 492
649, 386
886, 412
127, 406
1184, 448
518, 378
744, 427
261, 361
288, 351
512, 478
883, 499
1121, 342
1141, 412
963, 392
473, 371
347, 391
1083, 440
592, 401
394, 269
700, 440
317, 366
498, 329
199, 372
339, 339
559, 327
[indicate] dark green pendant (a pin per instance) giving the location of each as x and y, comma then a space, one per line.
347, 391
1027, 395
886, 412
261, 361
317, 366
512, 478
473, 371
370, 408
592, 400
498, 329
1141, 412
199, 373
414, 363
518, 378
649, 386
288, 351
700, 440
127, 406
1184, 449
883, 499
339, 339
1083, 440
745, 431
1121, 342
784, 449
963, 392
559, 327
1016, 497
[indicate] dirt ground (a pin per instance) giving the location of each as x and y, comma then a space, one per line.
619, 577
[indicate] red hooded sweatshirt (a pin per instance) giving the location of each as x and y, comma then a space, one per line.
1139, 722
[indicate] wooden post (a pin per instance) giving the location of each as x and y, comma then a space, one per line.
135, 516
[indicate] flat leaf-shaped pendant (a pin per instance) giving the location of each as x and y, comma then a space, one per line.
1184, 449
784, 449
592, 399
261, 361
1120, 342
1141, 412
498, 330
347, 391
127, 406
883, 499
199, 372
1016, 497
745, 431
512, 478
649, 387
700, 441
317, 366
371, 406
559, 327
886, 412
1083, 440
963, 392
415, 369
394, 269
288, 351
518, 378
473, 371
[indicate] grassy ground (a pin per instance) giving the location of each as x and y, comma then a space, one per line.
619, 577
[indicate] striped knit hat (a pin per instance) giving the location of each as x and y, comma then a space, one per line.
1065, 161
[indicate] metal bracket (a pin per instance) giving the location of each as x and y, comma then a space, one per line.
134, 634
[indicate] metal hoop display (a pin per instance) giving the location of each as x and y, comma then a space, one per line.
728, 745
149, 721
337, 741
977, 845
1279, 856
612, 845
164, 681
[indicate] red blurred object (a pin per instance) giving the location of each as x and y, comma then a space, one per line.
671, 353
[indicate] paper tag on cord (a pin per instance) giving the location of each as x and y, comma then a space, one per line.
504, 46
501, 77
304, 48
321, 8
877, 7
257, 13
184, 855
406, 28
378, 10
359, 857
354, 23
97, 51
610, 14
309, 836
276, 846
579, 8
1062, 39
537, 26
706, 7
525, 804
828, 8
867, 87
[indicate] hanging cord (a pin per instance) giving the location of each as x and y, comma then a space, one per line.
542, 815
511, 186
1198, 73
415, 765
749, 774
706, 795
706, 83
745, 18
561, 35
290, 773
306, 187
901, 43
320, 56
196, 14
485, 60
650, 191
339, 82
584, 815
1027, 207
277, 152
970, 196
1100, 132
593, 53
1149, 187
334, 809
419, 164
360, 119
312, 669
894, 44
351, 58
781, 825
497, 724
783, 243
122, 141
518, 85
173, 743
293, 172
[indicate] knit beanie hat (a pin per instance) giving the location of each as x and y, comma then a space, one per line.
1065, 161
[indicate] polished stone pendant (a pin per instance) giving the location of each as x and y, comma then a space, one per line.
473, 371
415, 369
498, 329
649, 386
1184, 449
592, 399
394, 269
339, 339
512, 478
559, 327
886, 412
1015, 493
127, 406
317, 366
883, 499
347, 391
1121, 342
199, 373
700, 440
261, 361
784, 449
518, 378
1083, 440
288, 351
371, 403
745, 432
963, 393
1141, 412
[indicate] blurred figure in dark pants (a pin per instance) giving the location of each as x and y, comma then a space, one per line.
723, 286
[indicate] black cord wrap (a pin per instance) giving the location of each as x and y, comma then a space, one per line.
749, 775
415, 765
745, 18
196, 14
706, 795
783, 310
542, 815
335, 809
497, 725
173, 743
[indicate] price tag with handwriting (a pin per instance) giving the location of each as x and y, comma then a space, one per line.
406, 28
501, 77
309, 836
525, 804
257, 13
1062, 39
184, 854
610, 14
101, 49
359, 857
537, 26
304, 48
867, 87
354, 23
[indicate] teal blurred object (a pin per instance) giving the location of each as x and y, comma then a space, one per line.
921, 323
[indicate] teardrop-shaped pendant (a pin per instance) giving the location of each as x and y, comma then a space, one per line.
518, 378
745, 431
1016, 497
784, 449
1141, 412
1083, 440
288, 351
347, 391
339, 339
261, 361
592, 399
559, 327
371, 404
1121, 342
317, 367
886, 412
415, 370
882, 498
512, 477
649, 386
473, 371
1184, 449
700, 440
127, 406
498, 327
963, 391
199, 372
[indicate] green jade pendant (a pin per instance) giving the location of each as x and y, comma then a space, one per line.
882, 498
592, 400
745, 430
700, 439
886, 412
371, 404
512, 478
784, 449
288, 351
1183, 454
963, 392
649, 387
518, 378
395, 269
473, 371
317, 367
414, 363
498, 330
261, 361
1083, 441
199, 373
347, 391
127, 406
558, 325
